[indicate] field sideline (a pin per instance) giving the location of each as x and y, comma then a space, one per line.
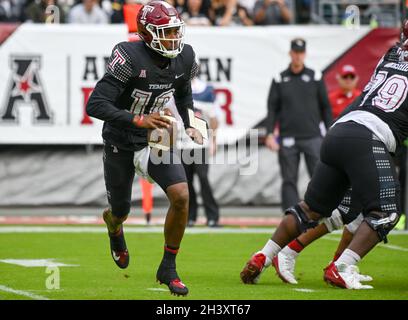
209, 263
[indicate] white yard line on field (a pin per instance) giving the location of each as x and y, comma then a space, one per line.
393, 247
23, 293
382, 245
37, 263
128, 229
155, 229
157, 289
304, 290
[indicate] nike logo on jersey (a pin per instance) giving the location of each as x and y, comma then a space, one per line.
335, 275
179, 75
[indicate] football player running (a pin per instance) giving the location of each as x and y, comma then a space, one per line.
140, 79
357, 153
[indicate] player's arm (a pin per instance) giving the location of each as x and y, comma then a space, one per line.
274, 105
183, 96
101, 103
183, 99
213, 134
324, 104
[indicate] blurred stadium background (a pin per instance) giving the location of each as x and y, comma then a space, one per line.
50, 148
51, 151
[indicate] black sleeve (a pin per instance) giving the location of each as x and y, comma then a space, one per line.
183, 95
183, 98
324, 104
101, 103
274, 105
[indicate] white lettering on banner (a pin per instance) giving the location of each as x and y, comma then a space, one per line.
44, 103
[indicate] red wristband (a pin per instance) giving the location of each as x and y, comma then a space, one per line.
140, 121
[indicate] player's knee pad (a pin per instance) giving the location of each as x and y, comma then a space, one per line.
334, 222
382, 223
302, 219
353, 225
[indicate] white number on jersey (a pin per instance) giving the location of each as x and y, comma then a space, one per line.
392, 93
142, 98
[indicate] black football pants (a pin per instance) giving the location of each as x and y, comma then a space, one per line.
119, 172
351, 155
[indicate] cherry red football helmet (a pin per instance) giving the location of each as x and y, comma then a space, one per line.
161, 28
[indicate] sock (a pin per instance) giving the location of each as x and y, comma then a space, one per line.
116, 233
290, 252
296, 245
348, 257
271, 249
170, 254
113, 228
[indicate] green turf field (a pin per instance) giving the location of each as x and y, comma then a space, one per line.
208, 263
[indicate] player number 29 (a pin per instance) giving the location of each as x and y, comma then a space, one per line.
391, 94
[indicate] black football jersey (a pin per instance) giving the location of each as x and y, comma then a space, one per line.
386, 93
134, 85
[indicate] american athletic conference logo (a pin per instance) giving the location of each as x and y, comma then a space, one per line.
25, 88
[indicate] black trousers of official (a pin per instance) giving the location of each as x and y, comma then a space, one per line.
199, 168
289, 159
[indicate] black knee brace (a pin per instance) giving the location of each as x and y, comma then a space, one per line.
382, 223
303, 221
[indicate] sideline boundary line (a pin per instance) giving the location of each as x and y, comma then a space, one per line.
150, 229
22, 293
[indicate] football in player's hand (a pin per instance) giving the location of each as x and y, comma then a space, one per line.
163, 138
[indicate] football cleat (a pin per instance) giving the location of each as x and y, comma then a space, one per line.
361, 277
285, 267
344, 276
167, 274
254, 267
364, 277
118, 246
